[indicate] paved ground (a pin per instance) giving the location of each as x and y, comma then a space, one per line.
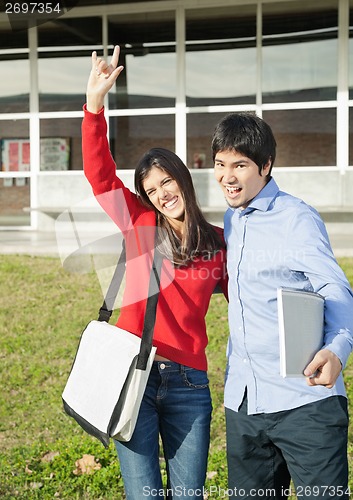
45, 243
28, 242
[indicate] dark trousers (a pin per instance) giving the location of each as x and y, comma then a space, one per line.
307, 444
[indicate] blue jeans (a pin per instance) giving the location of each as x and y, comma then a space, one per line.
177, 407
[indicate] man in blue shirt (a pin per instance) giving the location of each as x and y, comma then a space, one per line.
278, 428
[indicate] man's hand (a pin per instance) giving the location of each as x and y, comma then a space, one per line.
102, 79
323, 369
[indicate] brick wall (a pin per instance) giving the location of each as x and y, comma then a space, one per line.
13, 198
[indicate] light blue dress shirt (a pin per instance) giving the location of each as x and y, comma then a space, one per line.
278, 241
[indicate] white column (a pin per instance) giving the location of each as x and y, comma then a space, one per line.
180, 105
34, 130
259, 59
342, 128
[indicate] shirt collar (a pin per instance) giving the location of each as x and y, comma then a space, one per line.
263, 199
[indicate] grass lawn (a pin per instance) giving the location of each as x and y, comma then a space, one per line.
44, 308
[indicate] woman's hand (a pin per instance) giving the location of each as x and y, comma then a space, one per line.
101, 79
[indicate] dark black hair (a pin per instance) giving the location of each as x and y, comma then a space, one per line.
248, 134
199, 236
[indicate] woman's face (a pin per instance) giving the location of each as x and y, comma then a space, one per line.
164, 193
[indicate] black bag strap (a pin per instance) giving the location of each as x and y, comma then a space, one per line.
107, 308
150, 313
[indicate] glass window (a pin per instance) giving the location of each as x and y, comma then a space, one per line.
14, 190
300, 51
350, 136
64, 61
82, 3
350, 80
14, 129
350, 68
61, 144
62, 81
147, 43
132, 136
14, 83
76, 32
10, 36
200, 127
221, 56
14, 201
304, 137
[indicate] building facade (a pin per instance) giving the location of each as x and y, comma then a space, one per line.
187, 63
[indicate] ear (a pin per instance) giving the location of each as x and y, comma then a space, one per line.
266, 168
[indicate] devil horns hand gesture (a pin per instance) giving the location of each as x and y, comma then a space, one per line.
102, 79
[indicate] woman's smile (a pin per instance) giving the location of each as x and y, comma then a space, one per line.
164, 193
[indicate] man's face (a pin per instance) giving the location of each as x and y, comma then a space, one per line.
239, 177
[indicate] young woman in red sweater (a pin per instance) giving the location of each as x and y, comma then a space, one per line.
177, 405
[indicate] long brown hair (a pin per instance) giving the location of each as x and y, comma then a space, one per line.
199, 237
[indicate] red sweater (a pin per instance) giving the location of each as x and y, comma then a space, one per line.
185, 292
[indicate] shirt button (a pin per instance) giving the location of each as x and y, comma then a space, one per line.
162, 366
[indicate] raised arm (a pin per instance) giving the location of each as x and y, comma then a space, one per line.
99, 167
101, 79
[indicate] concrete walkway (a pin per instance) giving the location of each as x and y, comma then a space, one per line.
28, 243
